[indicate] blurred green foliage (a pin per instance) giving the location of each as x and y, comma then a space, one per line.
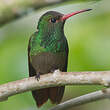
89, 43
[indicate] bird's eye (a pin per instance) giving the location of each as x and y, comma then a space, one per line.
53, 20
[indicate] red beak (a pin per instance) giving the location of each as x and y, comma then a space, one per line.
74, 13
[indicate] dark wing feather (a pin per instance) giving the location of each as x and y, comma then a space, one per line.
67, 51
32, 71
40, 96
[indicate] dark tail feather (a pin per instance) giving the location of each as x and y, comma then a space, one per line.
56, 94
40, 96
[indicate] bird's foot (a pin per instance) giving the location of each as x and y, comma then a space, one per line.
37, 76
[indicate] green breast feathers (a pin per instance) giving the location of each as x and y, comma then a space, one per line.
49, 43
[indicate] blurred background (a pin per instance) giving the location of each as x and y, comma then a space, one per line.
88, 36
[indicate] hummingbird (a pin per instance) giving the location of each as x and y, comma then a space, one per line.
47, 51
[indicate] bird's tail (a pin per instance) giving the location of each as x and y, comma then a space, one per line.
55, 94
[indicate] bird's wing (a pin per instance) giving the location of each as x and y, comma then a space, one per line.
32, 71
67, 51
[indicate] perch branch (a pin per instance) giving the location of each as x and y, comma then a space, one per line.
84, 99
12, 9
56, 79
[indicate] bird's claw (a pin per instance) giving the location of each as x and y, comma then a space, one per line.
37, 76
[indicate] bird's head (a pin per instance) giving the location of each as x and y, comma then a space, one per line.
53, 20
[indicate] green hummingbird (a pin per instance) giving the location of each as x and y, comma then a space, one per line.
48, 51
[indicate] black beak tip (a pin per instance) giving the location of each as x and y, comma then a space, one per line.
88, 9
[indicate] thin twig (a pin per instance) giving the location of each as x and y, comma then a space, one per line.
84, 99
56, 79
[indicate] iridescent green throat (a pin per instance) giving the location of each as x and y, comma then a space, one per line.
49, 42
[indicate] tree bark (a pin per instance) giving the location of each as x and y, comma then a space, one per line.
56, 79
